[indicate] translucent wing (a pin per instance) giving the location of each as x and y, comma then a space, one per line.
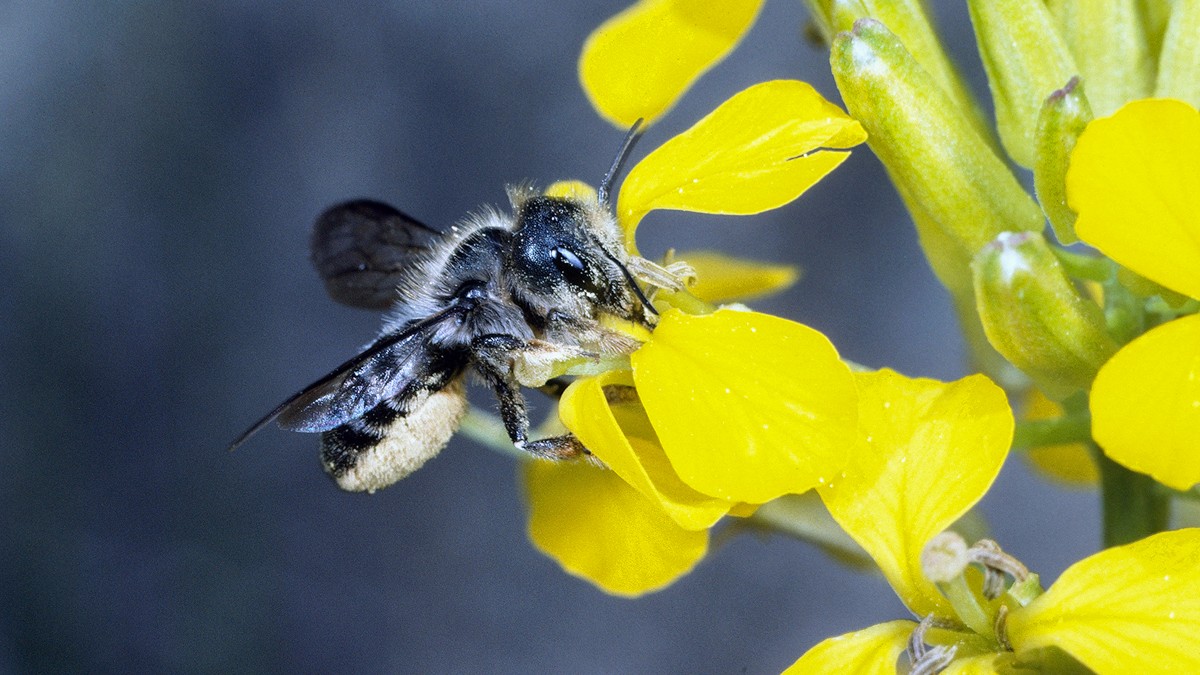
362, 248
395, 364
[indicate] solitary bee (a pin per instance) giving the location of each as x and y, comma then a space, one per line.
493, 294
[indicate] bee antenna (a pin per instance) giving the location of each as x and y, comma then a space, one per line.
632, 282
623, 154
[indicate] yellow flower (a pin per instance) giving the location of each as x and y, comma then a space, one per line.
1134, 180
1128, 609
715, 411
715, 420
718, 411
928, 451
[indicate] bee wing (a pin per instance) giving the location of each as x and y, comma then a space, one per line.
362, 247
384, 370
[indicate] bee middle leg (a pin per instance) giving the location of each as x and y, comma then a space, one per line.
494, 355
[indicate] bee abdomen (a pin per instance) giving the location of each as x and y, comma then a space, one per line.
386, 445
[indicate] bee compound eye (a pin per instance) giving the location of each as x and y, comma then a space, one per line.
565, 257
570, 265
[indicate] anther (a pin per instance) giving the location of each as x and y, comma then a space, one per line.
927, 659
1001, 628
996, 563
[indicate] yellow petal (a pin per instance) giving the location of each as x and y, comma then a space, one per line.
984, 664
1134, 180
927, 452
1146, 404
757, 151
622, 438
1129, 609
723, 278
748, 406
869, 651
600, 529
639, 62
1070, 463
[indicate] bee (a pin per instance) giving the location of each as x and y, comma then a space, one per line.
495, 293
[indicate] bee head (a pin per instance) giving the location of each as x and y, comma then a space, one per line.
553, 248
558, 252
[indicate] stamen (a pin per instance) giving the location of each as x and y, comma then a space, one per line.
993, 583
927, 659
1001, 628
637, 290
935, 660
987, 553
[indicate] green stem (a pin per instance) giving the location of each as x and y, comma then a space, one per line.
1073, 428
805, 518
1083, 266
487, 429
1124, 313
1134, 507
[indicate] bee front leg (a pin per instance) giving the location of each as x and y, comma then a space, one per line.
562, 327
494, 354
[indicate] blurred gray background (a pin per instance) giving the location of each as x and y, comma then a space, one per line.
160, 166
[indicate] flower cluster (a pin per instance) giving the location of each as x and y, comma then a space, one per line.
723, 410
1130, 179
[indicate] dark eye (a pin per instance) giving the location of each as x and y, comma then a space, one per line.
571, 266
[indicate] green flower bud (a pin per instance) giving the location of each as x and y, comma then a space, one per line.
961, 195
1108, 41
1026, 59
959, 192
1061, 121
1179, 62
1034, 316
909, 21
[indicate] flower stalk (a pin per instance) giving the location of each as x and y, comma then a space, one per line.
1133, 507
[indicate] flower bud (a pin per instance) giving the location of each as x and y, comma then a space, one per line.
1179, 62
1062, 119
1026, 59
1033, 315
909, 21
1108, 42
960, 194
